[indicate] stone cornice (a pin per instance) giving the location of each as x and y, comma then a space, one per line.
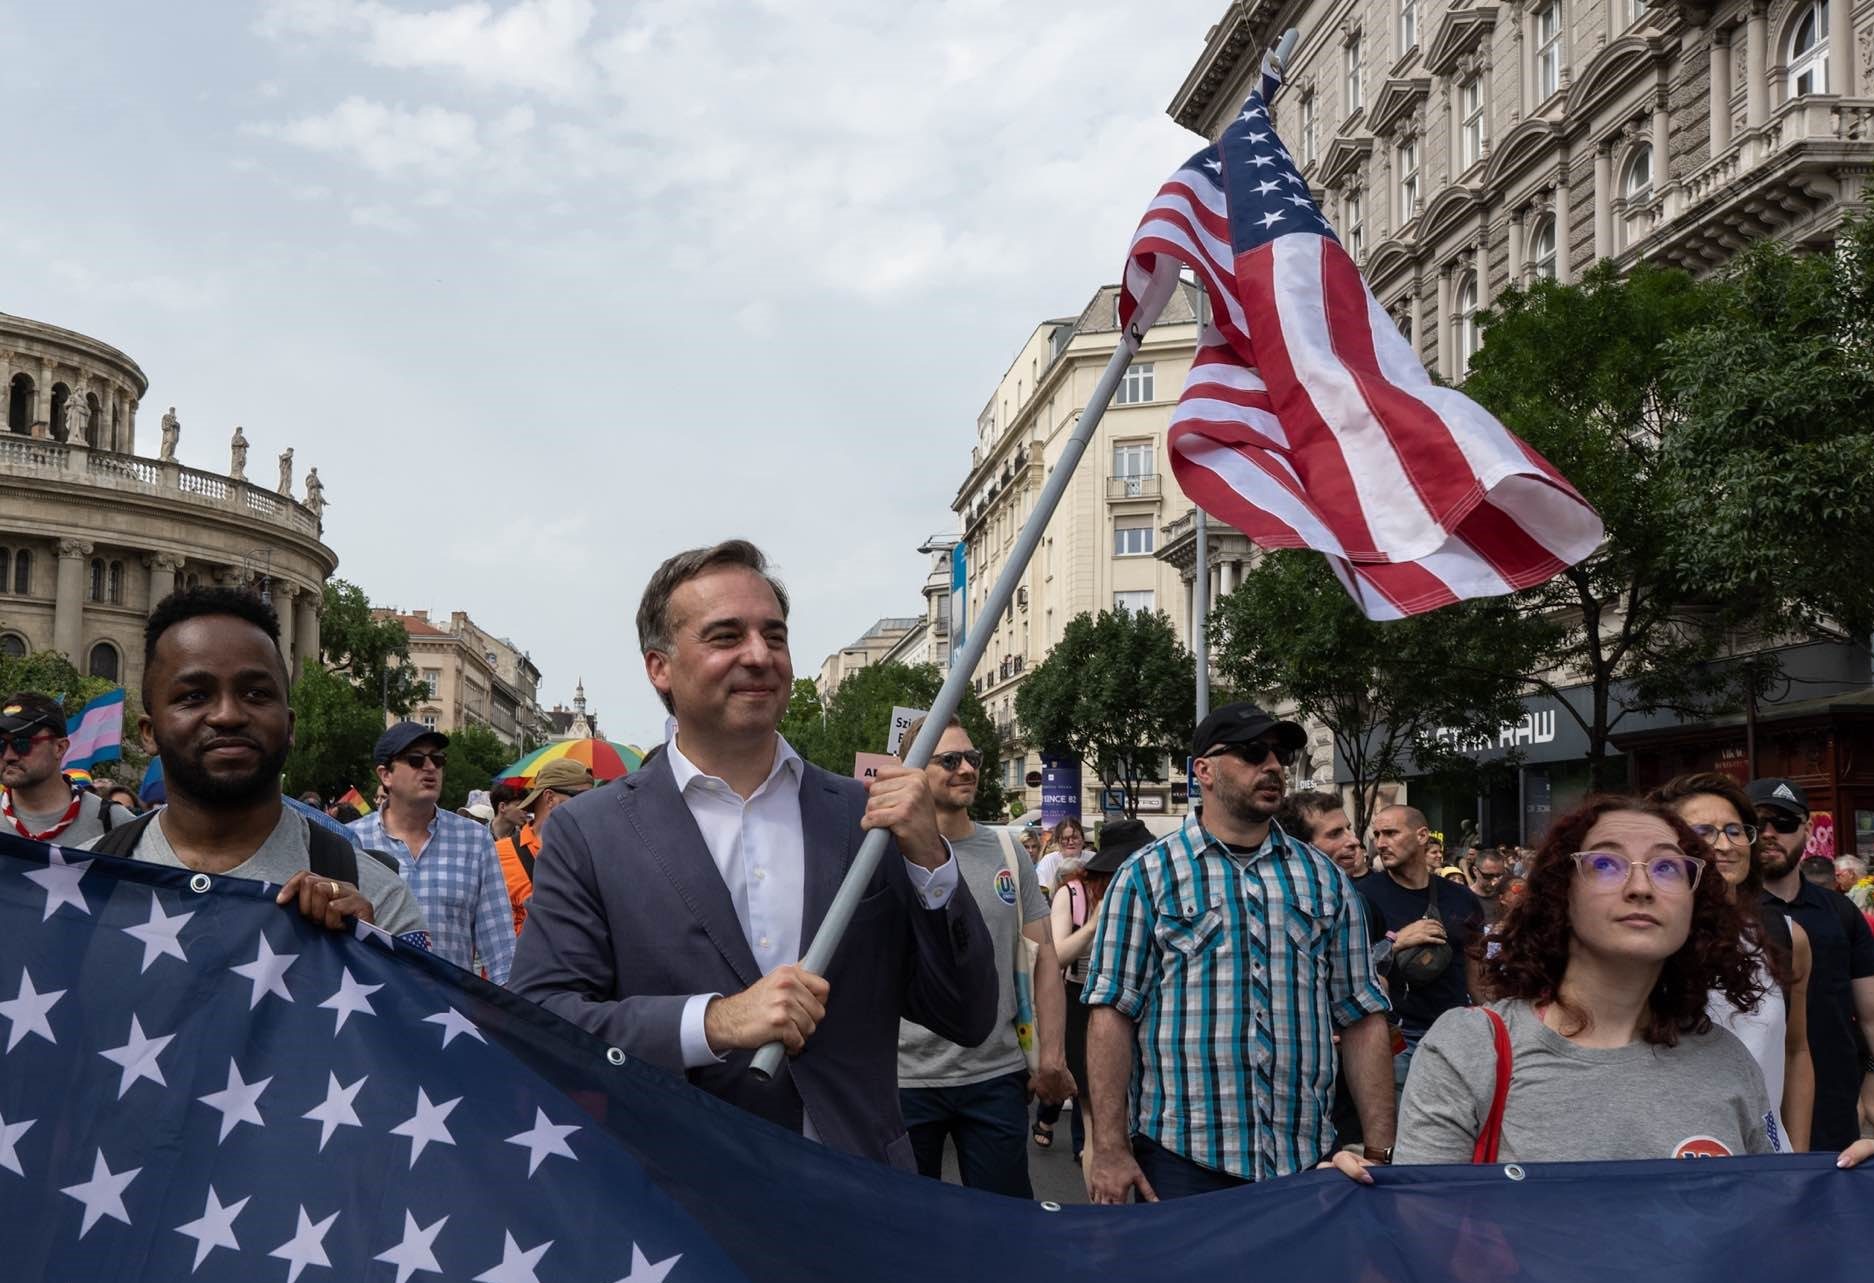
1395, 103
1458, 33
1247, 25
1343, 159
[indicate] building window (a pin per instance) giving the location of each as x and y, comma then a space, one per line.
23, 572
1353, 225
1402, 319
1808, 52
430, 718
1142, 603
1471, 121
1548, 50
6, 565
1470, 335
1309, 128
1542, 248
12, 646
1136, 387
1352, 68
1408, 181
1132, 541
1408, 25
1132, 459
1636, 190
103, 661
95, 592
431, 678
115, 584
1636, 9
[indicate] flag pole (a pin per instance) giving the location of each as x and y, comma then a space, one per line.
1200, 578
826, 941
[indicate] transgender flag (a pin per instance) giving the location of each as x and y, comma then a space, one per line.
1308, 421
97, 735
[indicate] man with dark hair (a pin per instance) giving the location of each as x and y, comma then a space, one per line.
37, 801
670, 909
1488, 876
510, 816
216, 712
1320, 820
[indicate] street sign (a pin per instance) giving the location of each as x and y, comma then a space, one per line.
1032, 779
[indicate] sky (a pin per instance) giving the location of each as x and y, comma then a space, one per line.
550, 289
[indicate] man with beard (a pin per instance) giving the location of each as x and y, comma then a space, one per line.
1841, 978
1227, 956
37, 801
215, 710
1321, 821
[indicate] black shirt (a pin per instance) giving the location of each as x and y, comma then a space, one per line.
1843, 950
1458, 909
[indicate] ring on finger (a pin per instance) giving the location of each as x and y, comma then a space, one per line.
331, 889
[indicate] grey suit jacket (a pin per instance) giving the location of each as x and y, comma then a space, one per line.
630, 917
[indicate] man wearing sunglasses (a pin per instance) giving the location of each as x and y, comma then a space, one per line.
38, 801
1841, 979
449, 860
1227, 957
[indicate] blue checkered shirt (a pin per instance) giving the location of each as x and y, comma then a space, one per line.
457, 881
1237, 969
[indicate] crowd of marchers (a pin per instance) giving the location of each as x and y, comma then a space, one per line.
1246, 998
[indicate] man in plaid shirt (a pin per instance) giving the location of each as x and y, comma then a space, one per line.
1227, 956
448, 860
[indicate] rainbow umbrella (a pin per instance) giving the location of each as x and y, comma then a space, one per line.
606, 760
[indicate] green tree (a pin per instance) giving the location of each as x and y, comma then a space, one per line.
50, 673
476, 754
1395, 694
339, 702
858, 720
1119, 692
372, 654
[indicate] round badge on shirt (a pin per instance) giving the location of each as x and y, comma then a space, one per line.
1005, 886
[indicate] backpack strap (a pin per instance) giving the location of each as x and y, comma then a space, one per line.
105, 809
122, 840
523, 854
331, 856
1490, 1138
1077, 903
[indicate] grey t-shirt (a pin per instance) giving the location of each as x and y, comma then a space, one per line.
288, 850
86, 828
926, 1060
1703, 1098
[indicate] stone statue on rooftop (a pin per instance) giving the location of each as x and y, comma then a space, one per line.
315, 496
172, 432
237, 456
286, 472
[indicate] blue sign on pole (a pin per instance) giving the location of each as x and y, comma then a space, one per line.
959, 598
1060, 789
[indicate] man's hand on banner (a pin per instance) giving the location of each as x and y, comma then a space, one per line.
899, 799
1113, 1174
784, 1006
325, 901
1856, 1154
1350, 1165
1052, 1083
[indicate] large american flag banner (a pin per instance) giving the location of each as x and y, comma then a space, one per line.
1308, 421
197, 1085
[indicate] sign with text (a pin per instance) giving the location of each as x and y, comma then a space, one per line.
1060, 789
901, 719
865, 766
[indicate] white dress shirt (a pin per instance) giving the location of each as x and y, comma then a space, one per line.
758, 849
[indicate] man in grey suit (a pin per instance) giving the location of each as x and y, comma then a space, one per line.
669, 909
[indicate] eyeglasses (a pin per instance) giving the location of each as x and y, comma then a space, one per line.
1669, 874
1256, 752
950, 761
1781, 823
1735, 834
21, 744
415, 761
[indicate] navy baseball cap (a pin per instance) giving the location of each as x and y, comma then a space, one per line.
1782, 795
402, 736
28, 711
1239, 724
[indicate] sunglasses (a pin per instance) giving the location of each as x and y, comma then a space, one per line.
415, 761
1782, 823
950, 761
1256, 752
21, 744
1669, 874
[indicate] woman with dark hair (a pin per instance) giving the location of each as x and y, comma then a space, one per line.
1067, 840
1776, 1029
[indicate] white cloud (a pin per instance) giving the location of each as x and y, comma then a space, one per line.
387, 140
383, 218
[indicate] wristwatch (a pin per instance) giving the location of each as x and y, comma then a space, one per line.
1373, 1155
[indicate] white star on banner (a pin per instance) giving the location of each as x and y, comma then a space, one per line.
306, 1247
1257, 138
10, 1134
237, 1102
645, 1270
427, 1124
336, 1109
351, 997
1270, 219
1260, 161
1266, 186
546, 1137
28, 1012
1214, 166
1296, 179
1296, 200
60, 880
137, 1057
103, 1194
516, 1266
213, 1229
267, 972
415, 1252
160, 936
454, 1022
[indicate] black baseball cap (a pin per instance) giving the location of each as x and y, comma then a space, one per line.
1780, 795
1239, 724
402, 736
28, 711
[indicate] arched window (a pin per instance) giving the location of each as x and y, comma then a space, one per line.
1542, 248
103, 662
60, 395
117, 583
97, 580
23, 572
94, 421
1470, 335
6, 564
12, 645
1808, 52
20, 405
1636, 191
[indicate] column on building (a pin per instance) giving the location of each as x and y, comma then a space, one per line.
1519, 58
130, 425
1841, 48
1563, 272
1446, 366
1756, 64
1516, 244
1720, 55
1216, 581
306, 621
68, 611
1661, 139
283, 601
163, 567
1603, 200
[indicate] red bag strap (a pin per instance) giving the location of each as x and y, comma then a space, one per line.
1491, 1137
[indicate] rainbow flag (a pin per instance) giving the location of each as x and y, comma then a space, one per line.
354, 798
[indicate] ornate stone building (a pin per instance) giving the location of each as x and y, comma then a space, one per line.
1462, 147
92, 534
472, 678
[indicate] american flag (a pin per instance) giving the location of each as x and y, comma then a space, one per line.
1308, 421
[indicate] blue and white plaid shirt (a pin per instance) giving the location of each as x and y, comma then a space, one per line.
1238, 969
457, 881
